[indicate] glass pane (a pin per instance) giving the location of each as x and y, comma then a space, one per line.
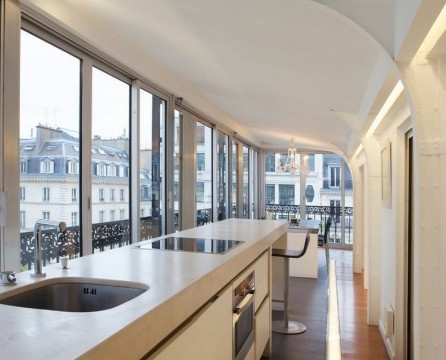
234, 180
152, 115
49, 149
204, 174
253, 184
246, 175
110, 161
222, 176
177, 171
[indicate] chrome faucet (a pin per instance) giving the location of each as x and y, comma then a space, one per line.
60, 226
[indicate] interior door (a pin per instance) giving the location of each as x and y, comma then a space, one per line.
409, 244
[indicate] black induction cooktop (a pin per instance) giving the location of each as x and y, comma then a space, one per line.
192, 244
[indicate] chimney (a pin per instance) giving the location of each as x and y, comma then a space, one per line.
43, 134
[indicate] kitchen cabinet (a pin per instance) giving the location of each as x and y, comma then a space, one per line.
262, 304
208, 335
262, 325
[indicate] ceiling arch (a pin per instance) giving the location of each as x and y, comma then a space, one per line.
300, 70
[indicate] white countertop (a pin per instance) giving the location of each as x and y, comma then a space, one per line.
305, 226
179, 284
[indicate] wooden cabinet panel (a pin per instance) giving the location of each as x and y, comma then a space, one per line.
262, 328
261, 268
207, 336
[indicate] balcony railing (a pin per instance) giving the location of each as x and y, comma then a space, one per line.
107, 235
321, 213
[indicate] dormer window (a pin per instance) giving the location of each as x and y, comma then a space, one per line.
112, 170
72, 167
23, 166
100, 169
47, 166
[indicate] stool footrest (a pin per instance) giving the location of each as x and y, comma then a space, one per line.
293, 327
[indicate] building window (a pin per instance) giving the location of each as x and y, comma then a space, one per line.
22, 193
270, 196
74, 195
74, 221
72, 167
45, 215
122, 214
270, 162
101, 216
200, 162
112, 194
286, 194
145, 192
122, 195
22, 220
46, 166
335, 176
46, 194
310, 162
101, 195
112, 170
121, 171
23, 166
112, 215
200, 134
200, 192
100, 170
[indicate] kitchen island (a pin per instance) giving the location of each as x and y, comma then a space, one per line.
180, 284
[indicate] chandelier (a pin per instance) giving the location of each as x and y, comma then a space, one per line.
291, 163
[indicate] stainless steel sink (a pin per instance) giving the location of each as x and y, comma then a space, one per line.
76, 295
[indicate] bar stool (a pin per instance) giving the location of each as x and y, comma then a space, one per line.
285, 326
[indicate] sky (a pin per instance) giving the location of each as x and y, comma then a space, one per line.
50, 94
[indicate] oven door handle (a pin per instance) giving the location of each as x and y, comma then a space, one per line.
247, 300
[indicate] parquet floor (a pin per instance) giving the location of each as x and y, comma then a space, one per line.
308, 304
359, 341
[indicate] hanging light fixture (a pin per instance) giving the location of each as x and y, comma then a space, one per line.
291, 163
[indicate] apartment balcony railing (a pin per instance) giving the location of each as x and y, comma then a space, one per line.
321, 213
107, 235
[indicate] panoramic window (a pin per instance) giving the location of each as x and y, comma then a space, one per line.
49, 116
177, 171
204, 173
151, 164
245, 186
234, 180
324, 197
222, 176
110, 134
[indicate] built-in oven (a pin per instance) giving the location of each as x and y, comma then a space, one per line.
243, 316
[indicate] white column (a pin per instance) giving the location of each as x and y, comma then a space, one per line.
426, 81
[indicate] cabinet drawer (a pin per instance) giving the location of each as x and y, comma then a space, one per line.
262, 323
261, 268
207, 336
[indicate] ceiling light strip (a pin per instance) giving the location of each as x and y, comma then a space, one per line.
397, 90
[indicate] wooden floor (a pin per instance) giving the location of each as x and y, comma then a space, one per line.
308, 304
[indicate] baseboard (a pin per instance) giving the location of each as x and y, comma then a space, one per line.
387, 341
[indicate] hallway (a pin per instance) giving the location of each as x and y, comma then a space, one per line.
309, 303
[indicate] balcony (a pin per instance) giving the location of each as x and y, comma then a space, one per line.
321, 213
106, 235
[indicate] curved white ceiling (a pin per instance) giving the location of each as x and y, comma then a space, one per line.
271, 70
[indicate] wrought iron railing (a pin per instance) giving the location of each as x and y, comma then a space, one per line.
107, 235
321, 213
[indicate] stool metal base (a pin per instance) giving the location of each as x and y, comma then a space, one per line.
294, 327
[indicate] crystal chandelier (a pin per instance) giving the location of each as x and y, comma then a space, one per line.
291, 163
